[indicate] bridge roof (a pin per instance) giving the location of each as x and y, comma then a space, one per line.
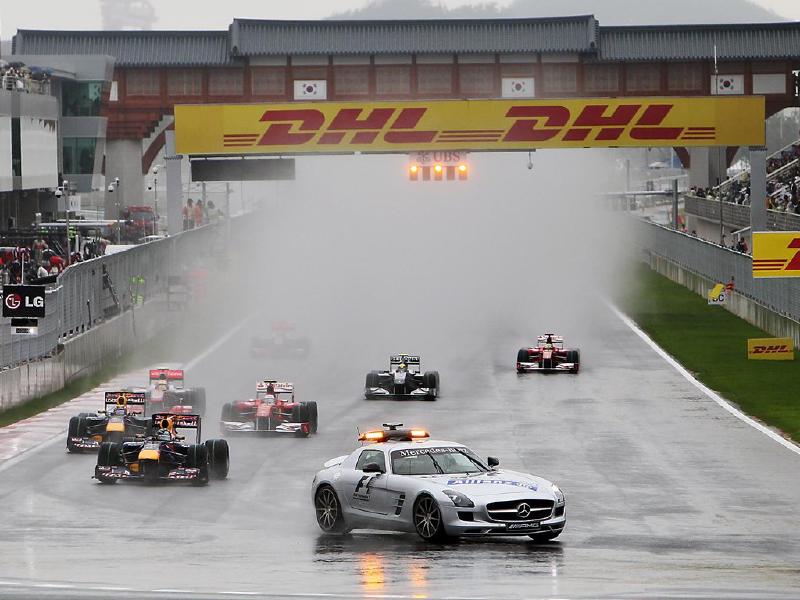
131, 48
766, 41
582, 34
567, 34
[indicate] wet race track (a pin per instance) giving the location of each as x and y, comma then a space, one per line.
668, 495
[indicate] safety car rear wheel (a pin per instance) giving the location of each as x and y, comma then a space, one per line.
329, 511
218, 458
428, 520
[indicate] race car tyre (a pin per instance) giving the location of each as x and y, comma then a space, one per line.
431, 380
523, 356
197, 458
171, 398
197, 398
75, 429
373, 379
312, 415
219, 458
109, 455
228, 412
329, 511
574, 356
428, 520
544, 537
300, 413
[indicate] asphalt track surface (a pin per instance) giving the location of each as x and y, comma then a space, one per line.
668, 495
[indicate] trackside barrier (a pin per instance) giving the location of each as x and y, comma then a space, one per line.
772, 305
738, 215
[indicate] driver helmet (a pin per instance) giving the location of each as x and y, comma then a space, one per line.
163, 435
401, 367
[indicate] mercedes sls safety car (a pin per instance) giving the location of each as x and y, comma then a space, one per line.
401, 480
282, 342
163, 455
167, 394
549, 355
404, 379
273, 411
123, 417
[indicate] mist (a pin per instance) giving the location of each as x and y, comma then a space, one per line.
367, 263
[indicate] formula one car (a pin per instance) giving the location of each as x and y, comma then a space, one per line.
163, 456
404, 379
273, 411
283, 342
123, 417
404, 481
167, 394
549, 355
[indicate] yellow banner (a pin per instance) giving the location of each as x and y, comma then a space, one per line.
717, 294
345, 127
770, 349
776, 254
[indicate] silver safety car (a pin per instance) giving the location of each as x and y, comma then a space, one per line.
401, 480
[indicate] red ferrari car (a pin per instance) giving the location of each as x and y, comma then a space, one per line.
548, 355
273, 411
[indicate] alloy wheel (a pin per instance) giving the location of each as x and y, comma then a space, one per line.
427, 518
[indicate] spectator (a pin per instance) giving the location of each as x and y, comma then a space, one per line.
198, 214
731, 285
741, 245
39, 246
188, 215
56, 264
42, 271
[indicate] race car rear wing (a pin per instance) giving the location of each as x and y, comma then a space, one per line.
173, 422
404, 358
277, 386
168, 374
126, 399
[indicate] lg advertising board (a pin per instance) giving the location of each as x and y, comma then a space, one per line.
440, 125
23, 301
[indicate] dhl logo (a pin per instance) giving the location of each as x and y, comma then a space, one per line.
776, 254
331, 127
770, 349
402, 126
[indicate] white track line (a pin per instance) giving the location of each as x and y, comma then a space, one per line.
198, 359
789, 445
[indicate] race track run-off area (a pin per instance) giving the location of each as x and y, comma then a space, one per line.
669, 494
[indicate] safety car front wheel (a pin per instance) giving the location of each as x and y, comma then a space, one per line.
329, 511
428, 520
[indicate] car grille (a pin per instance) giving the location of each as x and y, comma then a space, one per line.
509, 510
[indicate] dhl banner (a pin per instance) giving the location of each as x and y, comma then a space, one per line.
770, 349
345, 127
776, 254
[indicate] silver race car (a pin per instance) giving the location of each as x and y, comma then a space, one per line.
404, 379
401, 480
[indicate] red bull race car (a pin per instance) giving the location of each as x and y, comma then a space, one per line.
163, 456
273, 411
122, 418
549, 356
167, 394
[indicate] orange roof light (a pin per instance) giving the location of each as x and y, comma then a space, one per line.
419, 433
462, 168
372, 436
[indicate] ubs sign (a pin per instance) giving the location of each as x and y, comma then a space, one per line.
23, 301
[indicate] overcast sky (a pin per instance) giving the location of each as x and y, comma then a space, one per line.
191, 14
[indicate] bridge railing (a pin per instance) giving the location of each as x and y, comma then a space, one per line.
719, 264
96, 290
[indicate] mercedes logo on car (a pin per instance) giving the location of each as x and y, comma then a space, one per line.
13, 301
524, 510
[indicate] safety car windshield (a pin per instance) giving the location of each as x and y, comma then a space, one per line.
435, 461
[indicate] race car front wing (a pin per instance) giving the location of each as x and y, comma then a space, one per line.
237, 427
120, 472
536, 366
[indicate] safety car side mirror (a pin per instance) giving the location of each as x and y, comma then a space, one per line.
493, 462
372, 468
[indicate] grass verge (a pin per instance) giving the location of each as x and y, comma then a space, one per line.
712, 343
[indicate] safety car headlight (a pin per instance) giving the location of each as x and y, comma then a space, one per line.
559, 494
458, 499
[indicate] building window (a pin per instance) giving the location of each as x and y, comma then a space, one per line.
601, 78
268, 81
560, 78
185, 82
78, 155
434, 79
143, 82
81, 98
351, 80
226, 82
685, 77
476, 80
644, 77
16, 148
394, 79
